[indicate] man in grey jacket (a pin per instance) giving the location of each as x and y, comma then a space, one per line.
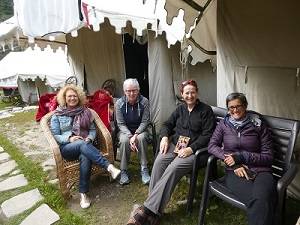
133, 117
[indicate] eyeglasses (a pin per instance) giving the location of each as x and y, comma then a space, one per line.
237, 107
190, 81
131, 91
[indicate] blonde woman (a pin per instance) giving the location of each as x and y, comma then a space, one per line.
73, 128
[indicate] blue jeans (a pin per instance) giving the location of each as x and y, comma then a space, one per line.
86, 153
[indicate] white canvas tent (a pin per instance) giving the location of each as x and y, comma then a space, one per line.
35, 71
257, 45
258, 54
97, 53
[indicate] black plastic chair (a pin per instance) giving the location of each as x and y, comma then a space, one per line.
284, 133
201, 157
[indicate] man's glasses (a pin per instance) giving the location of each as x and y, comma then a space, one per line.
237, 107
190, 81
131, 91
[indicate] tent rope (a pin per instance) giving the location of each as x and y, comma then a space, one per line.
297, 75
184, 55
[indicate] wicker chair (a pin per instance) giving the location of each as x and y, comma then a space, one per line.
68, 171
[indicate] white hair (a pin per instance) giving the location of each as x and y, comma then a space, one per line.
131, 81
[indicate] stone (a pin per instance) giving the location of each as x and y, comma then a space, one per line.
19, 203
7, 167
13, 182
49, 216
4, 156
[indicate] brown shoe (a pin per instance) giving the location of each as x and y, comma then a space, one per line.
151, 220
138, 217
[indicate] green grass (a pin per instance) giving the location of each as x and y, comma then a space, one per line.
36, 179
219, 212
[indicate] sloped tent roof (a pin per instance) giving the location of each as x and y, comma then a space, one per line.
167, 66
50, 26
200, 25
50, 67
12, 37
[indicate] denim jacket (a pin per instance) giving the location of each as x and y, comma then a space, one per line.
61, 128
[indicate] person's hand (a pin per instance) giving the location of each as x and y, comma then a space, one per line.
229, 160
88, 140
75, 138
132, 143
241, 172
164, 145
185, 152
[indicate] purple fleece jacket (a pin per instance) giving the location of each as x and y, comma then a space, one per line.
253, 143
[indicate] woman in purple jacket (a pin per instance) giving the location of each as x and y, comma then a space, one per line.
244, 143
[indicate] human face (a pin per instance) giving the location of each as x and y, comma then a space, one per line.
131, 93
190, 95
71, 99
236, 109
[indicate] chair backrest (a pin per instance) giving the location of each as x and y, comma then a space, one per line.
284, 134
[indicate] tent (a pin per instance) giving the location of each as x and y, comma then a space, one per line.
253, 44
258, 47
96, 52
34, 71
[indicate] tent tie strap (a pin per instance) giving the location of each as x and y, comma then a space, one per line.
297, 75
245, 74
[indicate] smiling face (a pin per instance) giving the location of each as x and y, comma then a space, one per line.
190, 95
236, 109
72, 99
131, 92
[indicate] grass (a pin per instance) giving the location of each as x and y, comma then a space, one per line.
218, 213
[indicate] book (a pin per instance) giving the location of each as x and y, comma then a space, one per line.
181, 143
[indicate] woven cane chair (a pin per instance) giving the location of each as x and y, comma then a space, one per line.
68, 171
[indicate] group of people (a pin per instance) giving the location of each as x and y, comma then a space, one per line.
241, 140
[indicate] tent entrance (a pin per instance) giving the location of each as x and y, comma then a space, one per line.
136, 62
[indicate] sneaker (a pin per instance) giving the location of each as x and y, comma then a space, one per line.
145, 176
85, 200
114, 172
124, 177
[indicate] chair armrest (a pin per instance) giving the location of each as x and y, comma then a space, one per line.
198, 154
44, 123
211, 169
105, 144
155, 144
286, 179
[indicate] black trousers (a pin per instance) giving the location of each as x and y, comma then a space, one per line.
259, 195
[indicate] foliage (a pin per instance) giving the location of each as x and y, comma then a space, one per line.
6, 9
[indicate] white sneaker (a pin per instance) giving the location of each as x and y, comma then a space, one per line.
115, 172
85, 200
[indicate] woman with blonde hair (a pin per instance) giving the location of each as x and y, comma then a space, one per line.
73, 128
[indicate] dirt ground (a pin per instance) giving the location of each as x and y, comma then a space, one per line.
111, 202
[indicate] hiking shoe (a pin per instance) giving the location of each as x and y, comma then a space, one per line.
145, 176
85, 200
124, 177
114, 172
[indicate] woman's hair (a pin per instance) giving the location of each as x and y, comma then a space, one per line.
131, 81
61, 96
237, 95
188, 82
